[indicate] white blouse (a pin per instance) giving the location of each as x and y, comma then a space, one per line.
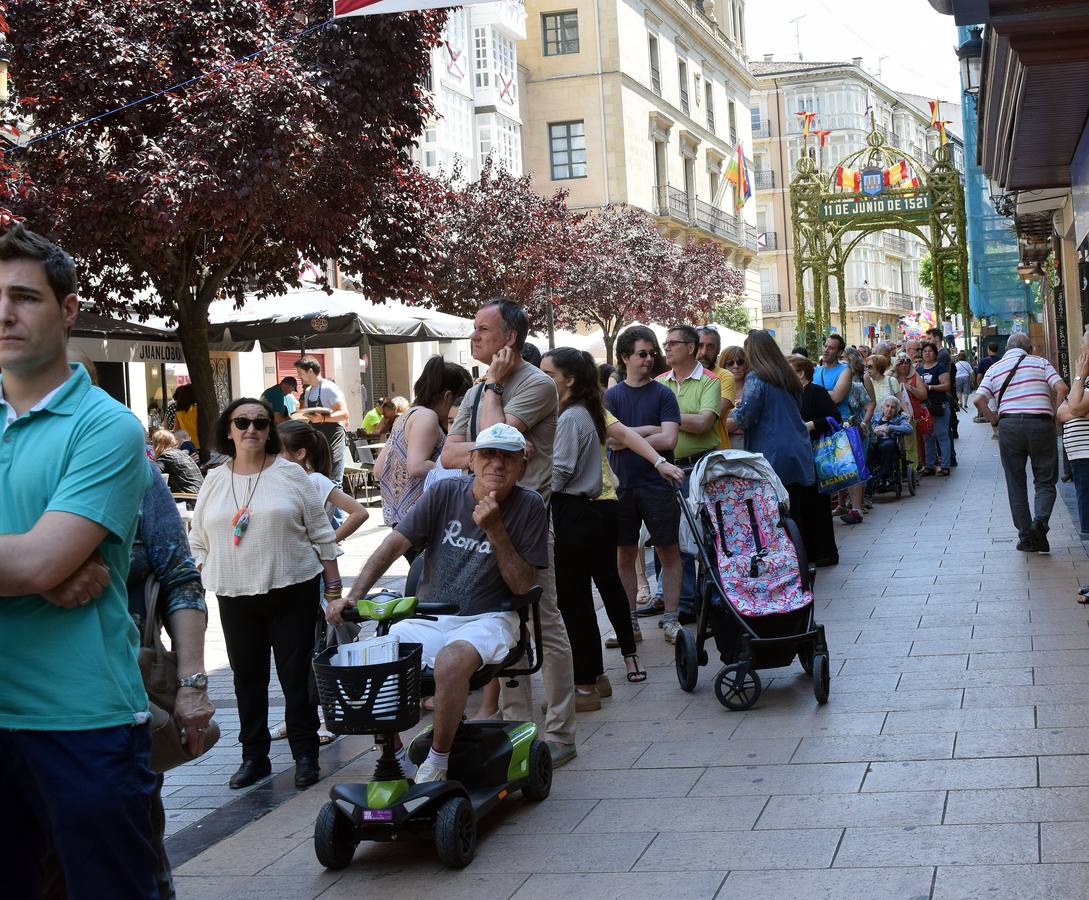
287, 537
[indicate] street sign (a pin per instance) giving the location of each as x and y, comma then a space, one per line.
882, 205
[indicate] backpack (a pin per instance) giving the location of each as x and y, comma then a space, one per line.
756, 559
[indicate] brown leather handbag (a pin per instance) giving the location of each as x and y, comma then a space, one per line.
159, 668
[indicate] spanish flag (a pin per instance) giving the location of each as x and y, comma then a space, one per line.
823, 135
941, 131
737, 173
847, 179
896, 174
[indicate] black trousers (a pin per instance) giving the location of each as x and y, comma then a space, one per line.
606, 576
281, 621
574, 521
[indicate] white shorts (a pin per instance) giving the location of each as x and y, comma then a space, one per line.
492, 634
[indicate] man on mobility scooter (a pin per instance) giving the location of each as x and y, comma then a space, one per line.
486, 537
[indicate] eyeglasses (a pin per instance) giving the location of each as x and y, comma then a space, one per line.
643, 354
735, 362
669, 345
242, 423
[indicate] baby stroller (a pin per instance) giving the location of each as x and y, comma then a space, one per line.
754, 583
903, 474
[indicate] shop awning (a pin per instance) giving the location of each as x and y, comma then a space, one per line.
309, 316
92, 325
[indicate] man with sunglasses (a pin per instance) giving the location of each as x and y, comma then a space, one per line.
699, 395
649, 408
74, 740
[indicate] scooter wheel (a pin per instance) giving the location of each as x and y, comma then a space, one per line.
738, 687
687, 660
539, 783
455, 832
334, 844
822, 678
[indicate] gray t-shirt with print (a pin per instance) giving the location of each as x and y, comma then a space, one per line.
459, 566
531, 396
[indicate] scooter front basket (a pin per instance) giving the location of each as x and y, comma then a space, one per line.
376, 699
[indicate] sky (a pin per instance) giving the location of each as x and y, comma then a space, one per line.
918, 42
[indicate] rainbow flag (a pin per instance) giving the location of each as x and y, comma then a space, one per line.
737, 173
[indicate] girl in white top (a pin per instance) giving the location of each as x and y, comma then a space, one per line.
305, 445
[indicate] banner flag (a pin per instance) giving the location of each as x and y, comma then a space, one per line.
738, 174
343, 8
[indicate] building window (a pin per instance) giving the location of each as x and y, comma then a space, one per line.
503, 53
509, 144
655, 72
731, 115
755, 116
484, 137
567, 150
561, 33
480, 57
682, 77
709, 98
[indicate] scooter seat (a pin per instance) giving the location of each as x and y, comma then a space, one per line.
479, 678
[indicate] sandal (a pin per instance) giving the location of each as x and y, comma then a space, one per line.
636, 675
279, 733
944, 470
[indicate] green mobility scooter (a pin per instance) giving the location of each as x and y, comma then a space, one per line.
489, 762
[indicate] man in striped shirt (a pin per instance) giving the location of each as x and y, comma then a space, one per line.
1026, 390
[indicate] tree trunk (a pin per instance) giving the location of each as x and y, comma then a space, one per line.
193, 336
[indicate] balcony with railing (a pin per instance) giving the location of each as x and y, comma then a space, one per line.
896, 244
761, 129
768, 240
898, 300
771, 303
676, 204
670, 201
763, 179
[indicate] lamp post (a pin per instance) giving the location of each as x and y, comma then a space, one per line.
970, 54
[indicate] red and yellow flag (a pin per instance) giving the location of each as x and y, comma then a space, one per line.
823, 135
807, 120
895, 174
941, 131
847, 179
935, 112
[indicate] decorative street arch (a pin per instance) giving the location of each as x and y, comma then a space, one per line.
877, 188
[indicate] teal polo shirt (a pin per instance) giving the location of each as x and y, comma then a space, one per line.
72, 669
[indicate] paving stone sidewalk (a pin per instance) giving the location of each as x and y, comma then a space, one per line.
952, 759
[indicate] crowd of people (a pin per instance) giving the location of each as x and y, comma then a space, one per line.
547, 471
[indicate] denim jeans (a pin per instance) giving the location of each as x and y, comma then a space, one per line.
938, 442
1079, 468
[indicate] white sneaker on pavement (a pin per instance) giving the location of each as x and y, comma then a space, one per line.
429, 772
672, 628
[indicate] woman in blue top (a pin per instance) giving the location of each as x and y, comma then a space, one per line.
771, 417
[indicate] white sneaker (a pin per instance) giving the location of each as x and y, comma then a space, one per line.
672, 628
429, 772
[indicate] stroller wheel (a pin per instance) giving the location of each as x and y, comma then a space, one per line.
738, 686
686, 658
822, 679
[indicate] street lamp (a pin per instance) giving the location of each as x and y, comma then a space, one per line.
970, 54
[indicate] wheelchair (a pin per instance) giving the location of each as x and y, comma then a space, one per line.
490, 761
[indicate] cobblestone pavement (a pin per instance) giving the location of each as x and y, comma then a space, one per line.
951, 761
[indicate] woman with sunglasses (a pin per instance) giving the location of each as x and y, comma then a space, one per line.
262, 540
733, 361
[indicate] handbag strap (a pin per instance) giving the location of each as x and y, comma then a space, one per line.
152, 636
473, 414
1006, 384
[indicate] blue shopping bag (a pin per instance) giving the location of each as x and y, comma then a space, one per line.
839, 459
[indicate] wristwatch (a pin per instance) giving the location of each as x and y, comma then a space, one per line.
198, 681
659, 461
1079, 378
494, 386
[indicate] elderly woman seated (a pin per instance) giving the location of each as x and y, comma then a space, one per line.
887, 424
